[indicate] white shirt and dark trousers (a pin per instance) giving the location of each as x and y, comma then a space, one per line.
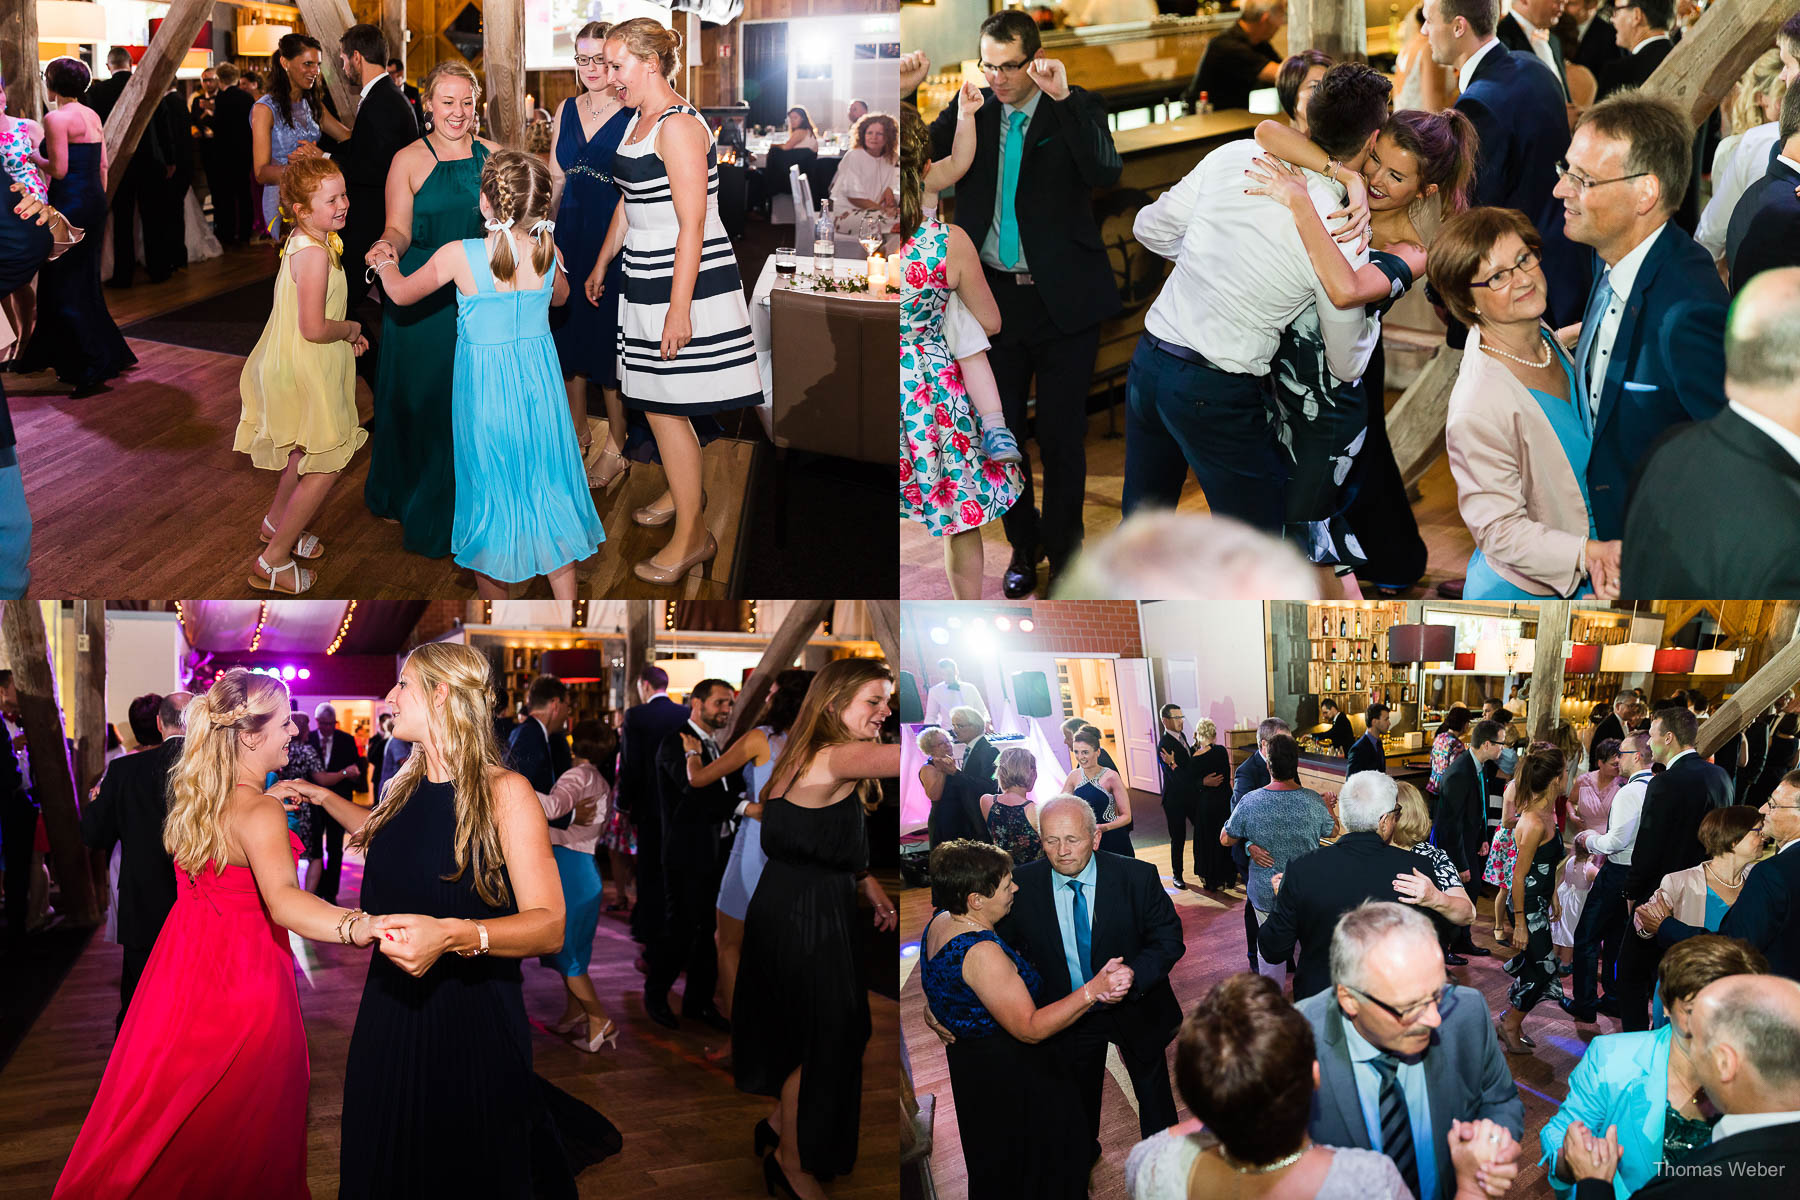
1603, 924
1027, 204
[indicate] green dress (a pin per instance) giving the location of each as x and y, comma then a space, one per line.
412, 471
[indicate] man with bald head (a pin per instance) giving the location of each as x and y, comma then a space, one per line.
1744, 1042
1717, 510
127, 810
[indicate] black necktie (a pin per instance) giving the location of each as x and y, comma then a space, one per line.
1396, 1123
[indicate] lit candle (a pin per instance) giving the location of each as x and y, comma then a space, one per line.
877, 271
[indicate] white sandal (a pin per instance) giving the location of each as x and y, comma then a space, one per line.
303, 579
307, 545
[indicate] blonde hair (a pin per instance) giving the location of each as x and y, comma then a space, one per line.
650, 41
200, 790
462, 729
1413, 825
1762, 79
450, 67
1205, 730
820, 723
517, 187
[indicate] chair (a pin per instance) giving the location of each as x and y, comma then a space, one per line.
779, 165
799, 200
1582, 85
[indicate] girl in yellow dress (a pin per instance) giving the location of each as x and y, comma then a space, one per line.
299, 384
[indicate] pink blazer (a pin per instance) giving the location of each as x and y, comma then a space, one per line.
1514, 486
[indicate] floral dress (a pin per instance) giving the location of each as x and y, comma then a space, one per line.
947, 483
1445, 749
16, 149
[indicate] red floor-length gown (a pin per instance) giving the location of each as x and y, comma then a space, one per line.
205, 1093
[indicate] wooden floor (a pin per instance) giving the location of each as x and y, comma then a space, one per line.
137, 492
1213, 927
1447, 539
686, 1128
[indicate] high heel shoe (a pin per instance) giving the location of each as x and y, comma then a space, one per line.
569, 1026
611, 468
775, 1178
650, 573
1511, 1044
650, 517
608, 1036
766, 1138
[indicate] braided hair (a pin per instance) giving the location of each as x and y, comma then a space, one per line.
517, 188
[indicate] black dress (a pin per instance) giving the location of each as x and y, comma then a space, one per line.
802, 999
75, 333
1212, 808
439, 1095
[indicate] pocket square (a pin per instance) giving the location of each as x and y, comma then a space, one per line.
1639, 387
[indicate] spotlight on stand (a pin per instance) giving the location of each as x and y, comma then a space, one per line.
1026, 625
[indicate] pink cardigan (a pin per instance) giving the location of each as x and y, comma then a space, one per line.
1514, 486
580, 782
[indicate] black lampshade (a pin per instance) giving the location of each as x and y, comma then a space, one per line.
573, 666
1421, 643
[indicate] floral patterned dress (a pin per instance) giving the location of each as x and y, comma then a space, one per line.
947, 483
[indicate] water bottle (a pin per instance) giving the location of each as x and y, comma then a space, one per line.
824, 241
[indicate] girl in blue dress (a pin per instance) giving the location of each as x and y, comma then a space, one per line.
522, 502
587, 131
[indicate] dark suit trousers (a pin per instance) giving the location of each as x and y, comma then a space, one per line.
135, 959
18, 835
1179, 811
692, 875
358, 237
234, 212
1029, 345
648, 913
1638, 960
328, 847
1597, 936
1149, 1079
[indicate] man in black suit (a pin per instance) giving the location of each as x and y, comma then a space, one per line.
1179, 788
1241, 59
1527, 26
343, 769
1617, 723
1320, 887
102, 95
1027, 204
1642, 30
1252, 774
385, 124
397, 72
1744, 1031
647, 725
1368, 753
980, 756
18, 818
1341, 736
234, 212
696, 824
167, 251
1592, 41
1075, 895
538, 748
1765, 225
1668, 839
1459, 827
142, 191
128, 811
1686, 537
1516, 105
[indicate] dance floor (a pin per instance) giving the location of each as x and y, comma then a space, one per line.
1213, 927
686, 1128
137, 492
1447, 539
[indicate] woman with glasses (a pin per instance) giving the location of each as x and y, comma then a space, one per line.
1700, 896
1532, 898
1520, 428
1645, 1084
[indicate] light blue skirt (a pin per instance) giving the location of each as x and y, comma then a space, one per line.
581, 911
743, 869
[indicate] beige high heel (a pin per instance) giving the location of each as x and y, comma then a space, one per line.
601, 477
651, 573
608, 1036
651, 518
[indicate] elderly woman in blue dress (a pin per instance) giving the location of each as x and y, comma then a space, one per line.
287, 119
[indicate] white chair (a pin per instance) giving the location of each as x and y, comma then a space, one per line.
798, 200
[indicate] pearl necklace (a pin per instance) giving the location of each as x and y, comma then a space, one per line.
1722, 882
1261, 1168
1521, 361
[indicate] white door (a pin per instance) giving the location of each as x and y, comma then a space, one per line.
1138, 728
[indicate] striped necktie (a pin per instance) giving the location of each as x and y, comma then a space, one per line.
1396, 1122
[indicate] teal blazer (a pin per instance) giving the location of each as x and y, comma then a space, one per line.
1622, 1080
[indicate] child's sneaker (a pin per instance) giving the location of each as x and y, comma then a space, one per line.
999, 444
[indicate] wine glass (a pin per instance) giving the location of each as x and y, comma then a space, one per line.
870, 232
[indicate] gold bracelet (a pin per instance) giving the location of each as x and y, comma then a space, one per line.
481, 949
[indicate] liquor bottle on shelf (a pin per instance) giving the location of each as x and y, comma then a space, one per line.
1359, 624
1343, 627
1325, 624
1333, 651
1359, 679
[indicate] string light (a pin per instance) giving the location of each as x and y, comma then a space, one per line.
581, 614
262, 617
751, 622
181, 620
487, 612
668, 614
343, 629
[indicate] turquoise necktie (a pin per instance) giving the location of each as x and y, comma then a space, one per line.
1083, 944
1009, 183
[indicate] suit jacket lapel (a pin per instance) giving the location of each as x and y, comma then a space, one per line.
1444, 1089
1056, 970
1338, 1078
987, 141
1613, 386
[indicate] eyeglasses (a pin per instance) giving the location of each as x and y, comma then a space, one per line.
1503, 277
590, 60
1581, 183
1444, 999
1007, 69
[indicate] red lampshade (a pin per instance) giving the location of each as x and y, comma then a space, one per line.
573, 666
1421, 643
1674, 661
1584, 660
1465, 662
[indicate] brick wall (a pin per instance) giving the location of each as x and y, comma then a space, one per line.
440, 617
1071, 627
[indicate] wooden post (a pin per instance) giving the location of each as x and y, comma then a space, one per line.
1547, 668
327, 20
503, 59
1338, 27
90, 694
690, 52
1779, 674
19, 59
1415, 427
640, 644
797, 628
149, 82
28, 650
1715, 54
884, 620
393, 28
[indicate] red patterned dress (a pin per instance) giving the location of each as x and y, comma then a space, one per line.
947, 483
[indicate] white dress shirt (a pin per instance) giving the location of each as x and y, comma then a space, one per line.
1784, 437
706, 735
1242, 274
1732, 1123
1655, 37
1621, 278
1468, 68
1540, 43
940, 700
1621, 823
1748, 163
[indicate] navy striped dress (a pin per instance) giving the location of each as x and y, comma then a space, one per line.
716, 371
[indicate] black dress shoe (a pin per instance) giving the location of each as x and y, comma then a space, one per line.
1453, 959
709, 1016
1020, 579
659, 1011
1584, 1015
1608, 1006
1180, 882
1474, 951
